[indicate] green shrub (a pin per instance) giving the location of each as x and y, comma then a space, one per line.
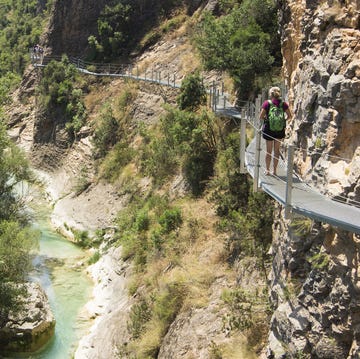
240, 303
320, 260
157, 239
94, 258
142, 221
8, 82
244, 42
59, 98
168, 303
82, 238
114, 29
173, 24
145, 229
198, 168
178, 127
22, 23
126, 98
301, 226
120, 155
15, 263
192, 93
158, 160
250, 229
193, 140
140, 314
229, 188
122, 25
170, 220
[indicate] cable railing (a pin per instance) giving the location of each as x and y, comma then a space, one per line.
155, 74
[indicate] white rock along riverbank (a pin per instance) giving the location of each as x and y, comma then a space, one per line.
94, 208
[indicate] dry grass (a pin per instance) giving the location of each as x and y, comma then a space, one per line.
147, 345
234, 348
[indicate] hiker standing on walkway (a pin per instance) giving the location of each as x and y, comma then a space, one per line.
273, 114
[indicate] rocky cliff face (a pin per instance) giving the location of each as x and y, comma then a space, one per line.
77, 21
322, 70
315, 278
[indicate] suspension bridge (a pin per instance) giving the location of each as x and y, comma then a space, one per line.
287, 187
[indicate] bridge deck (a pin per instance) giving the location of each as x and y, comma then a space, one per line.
305, 199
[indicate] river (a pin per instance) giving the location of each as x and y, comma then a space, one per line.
58, 270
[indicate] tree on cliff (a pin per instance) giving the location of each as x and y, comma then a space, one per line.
243, 42
16, 238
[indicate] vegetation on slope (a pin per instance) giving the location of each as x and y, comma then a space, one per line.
16, 238
244, 42
61, 97
20, 28
123, 24
21, 25
163, 236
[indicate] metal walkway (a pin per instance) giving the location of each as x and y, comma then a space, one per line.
304, 199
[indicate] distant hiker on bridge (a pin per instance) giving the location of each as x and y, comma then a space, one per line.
37, 53
273, 114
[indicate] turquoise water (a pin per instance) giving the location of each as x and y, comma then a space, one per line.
68, 288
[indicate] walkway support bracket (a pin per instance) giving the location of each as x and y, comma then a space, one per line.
289, 181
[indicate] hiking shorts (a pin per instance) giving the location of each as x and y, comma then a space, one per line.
269, 135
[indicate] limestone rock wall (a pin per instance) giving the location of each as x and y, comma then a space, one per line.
321, 46
77, 21
315, 276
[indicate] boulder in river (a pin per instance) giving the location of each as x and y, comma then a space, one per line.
32, 326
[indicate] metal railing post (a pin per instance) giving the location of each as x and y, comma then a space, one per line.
242, 142
289, 181
213, 96
257, 160
257, 145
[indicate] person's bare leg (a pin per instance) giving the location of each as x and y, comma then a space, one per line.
269, 149
277, 144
